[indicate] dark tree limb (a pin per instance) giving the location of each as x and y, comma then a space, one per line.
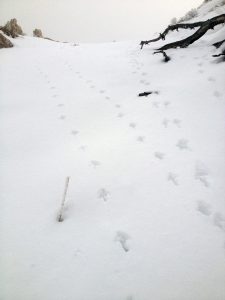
166, 57
204, 27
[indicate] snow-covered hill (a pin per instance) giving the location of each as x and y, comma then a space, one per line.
145, 212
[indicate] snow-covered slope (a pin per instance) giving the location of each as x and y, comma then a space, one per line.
145, 212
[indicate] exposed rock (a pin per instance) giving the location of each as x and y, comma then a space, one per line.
37, 33
12, 29
4, 42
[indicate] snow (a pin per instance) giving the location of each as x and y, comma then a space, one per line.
144, 216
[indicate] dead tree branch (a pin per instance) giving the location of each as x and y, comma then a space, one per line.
204, 27
166, 57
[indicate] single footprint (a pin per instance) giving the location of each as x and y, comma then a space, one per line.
156, 104
204, 208
212, 79
159, 155
53, 87
144, 74
120, 115
95, 163
166, 103
118, 106
103, 194
217, 94
142, 81
62, 117
83, 147
141, 139
182, 144
165, 122
147, 83
101, 91
173, 178
60, 105
74, 132
202, 173
133, 125
92, 86
219, 220
107, 97
122, 237
177, 122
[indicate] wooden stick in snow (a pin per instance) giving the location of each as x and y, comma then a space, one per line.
60, 216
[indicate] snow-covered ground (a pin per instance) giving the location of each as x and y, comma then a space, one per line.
145, 212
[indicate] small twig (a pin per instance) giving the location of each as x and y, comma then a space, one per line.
145, 94
60, 216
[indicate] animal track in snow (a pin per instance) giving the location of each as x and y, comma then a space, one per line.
217, 94
120, 115
103, 194
141, 139
166, 103
92, 86
122, 237
142, 81
177, 122
53, 87
202, 173
219, 220
165, 122
107, 98
83, 147
95, 163
204, 208
102, 91
144, 74
133, 125
62, 117
159, 155
118, 106
173, 178
74, 132
60, 105
155, 104
212, 79
182, 144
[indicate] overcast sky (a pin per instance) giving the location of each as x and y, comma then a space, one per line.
95, 20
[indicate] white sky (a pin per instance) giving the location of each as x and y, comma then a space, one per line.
95, 20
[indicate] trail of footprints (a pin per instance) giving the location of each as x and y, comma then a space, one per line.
201, 173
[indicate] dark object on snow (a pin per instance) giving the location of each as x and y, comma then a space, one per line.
145, 94
4, 42
166, 57
12, 29
218, 44
203, 28
220, 54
